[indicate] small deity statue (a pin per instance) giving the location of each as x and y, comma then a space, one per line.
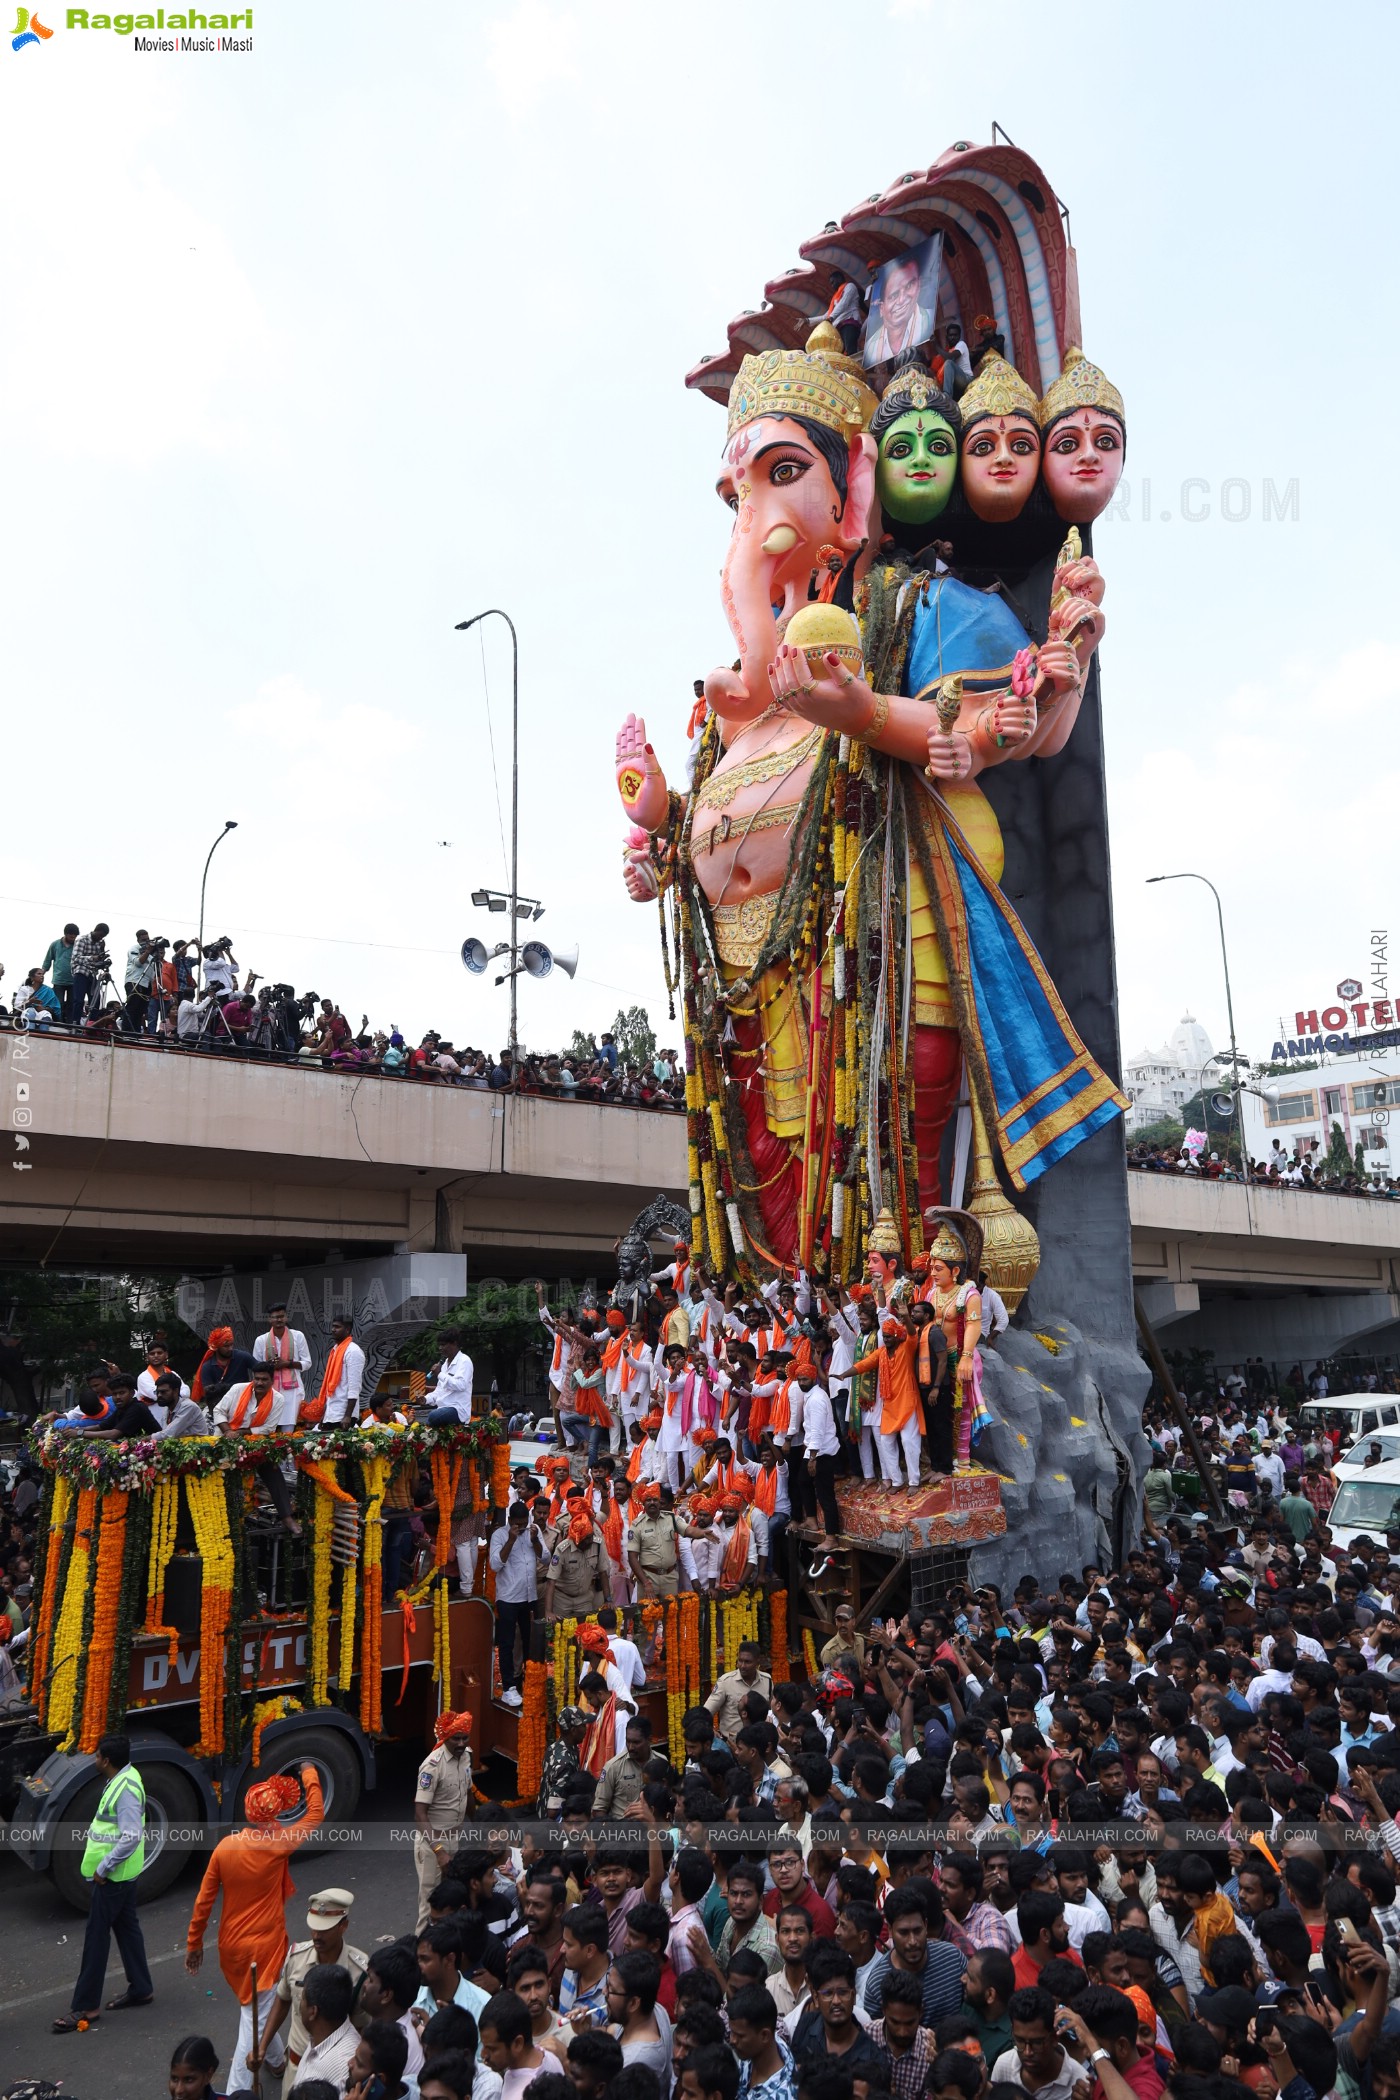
955, 1255
1084, 438
884, 1255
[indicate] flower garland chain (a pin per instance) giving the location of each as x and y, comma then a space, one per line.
138, 1463
265, 1713
98, 1688
319, 1601
778, 1649
208, 1507
675, 1696
58, 1497
531, 1732
68, 1635
165, 1518
376, 1479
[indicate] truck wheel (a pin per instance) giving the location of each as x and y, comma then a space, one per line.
337, 1767
171, 1804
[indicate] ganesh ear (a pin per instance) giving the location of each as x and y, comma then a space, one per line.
854, 528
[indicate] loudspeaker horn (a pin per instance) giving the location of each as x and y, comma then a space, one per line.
1222, 1104
475, 955
537, 960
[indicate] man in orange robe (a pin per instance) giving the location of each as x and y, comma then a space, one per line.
250, 1867
901, 1409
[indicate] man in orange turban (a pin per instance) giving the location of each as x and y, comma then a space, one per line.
449, 1725
220, 1367
249, 1868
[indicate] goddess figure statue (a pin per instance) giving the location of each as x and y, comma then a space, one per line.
842, 948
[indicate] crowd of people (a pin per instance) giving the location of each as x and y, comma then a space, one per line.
1125, 1832
184, 994
1305, 1167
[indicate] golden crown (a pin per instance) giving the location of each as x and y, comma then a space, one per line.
884, 1235
998, 390
1080, 385
949, 1246
819, 382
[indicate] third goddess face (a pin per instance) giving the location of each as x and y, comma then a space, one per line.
918, 467
1000, 459
1083, 463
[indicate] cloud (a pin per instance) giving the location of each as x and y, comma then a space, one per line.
343, 758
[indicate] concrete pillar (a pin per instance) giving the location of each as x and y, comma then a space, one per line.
1166, 1303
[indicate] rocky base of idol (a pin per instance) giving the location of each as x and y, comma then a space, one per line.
1067, 1438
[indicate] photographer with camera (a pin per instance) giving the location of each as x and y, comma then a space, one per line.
142, 962
220, 966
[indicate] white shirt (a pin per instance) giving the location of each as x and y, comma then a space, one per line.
819, 1434
223, 1413
330, 2059
844, 1350
782, 1505
995, 1318
629, 1657
186, 1419
1267, 1681
454, 1385
516, 1581
300, 1360
1268, 1466
146, 1390
701, 1557
344, 1401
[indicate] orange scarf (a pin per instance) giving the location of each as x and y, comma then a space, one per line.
780, 1420
260, 1414
634, 1463
314, 1410
736, 1555
600, 1743
765, 1491
612, 1532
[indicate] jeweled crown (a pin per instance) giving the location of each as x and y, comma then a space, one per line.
998, 390
818, 381
1080, 385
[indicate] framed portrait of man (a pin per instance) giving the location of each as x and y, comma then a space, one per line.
903, 302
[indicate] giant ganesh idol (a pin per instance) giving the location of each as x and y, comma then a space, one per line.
868, 1022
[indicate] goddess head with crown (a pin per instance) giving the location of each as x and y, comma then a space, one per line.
884, 1252
955, 1246
916, 428
1000, 441
1084, 437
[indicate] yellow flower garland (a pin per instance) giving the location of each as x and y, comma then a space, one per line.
165, 1518
318, 1615
267, 1711
68, 1636
208, 1507
376, 1472
41, 1645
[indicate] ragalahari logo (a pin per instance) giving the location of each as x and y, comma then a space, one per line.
28, 30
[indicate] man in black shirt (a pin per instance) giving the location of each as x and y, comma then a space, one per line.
222, 1367
131, 1418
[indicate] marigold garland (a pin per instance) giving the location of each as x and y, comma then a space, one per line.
319, 1601
165, 1519
102, 1649
778, 1636
60, 1503
675, 1696
265, 1713
500, 1474
531, 1731
442, 1644
376, 1479
68, 1635
809, 1655
208, 1506
324, 1478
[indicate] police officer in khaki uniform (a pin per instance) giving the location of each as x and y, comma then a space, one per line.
442, 1804
327, 1915
651, 1549
577, 1577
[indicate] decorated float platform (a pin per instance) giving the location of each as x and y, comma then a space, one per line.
962, 1510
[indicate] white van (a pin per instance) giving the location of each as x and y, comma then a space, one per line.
1368, 1502
1358, 1414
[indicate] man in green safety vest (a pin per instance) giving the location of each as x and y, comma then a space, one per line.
114, 1856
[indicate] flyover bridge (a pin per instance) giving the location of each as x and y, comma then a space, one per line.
141, 1157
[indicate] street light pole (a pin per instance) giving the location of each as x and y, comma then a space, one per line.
230, 824
462, 626
1190, 875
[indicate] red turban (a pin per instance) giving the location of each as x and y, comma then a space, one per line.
733, 1505
449, 1724
651, 1494
581, 1527
594, 1641
708, 1438
652, 1420
219, 1335
271, 1798
616, 1320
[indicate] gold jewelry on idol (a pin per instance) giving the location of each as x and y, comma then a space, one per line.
884, 1235
998, 390
1080, 385
818, 381
721, 788
878, 717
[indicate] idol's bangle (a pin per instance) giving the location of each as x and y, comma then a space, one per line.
874, 723
984, 737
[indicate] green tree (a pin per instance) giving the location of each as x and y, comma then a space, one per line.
635, 1036
1338, 1156
582, 1046
62, 1323
1166, 1131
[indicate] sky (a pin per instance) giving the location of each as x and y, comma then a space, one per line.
312, 351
